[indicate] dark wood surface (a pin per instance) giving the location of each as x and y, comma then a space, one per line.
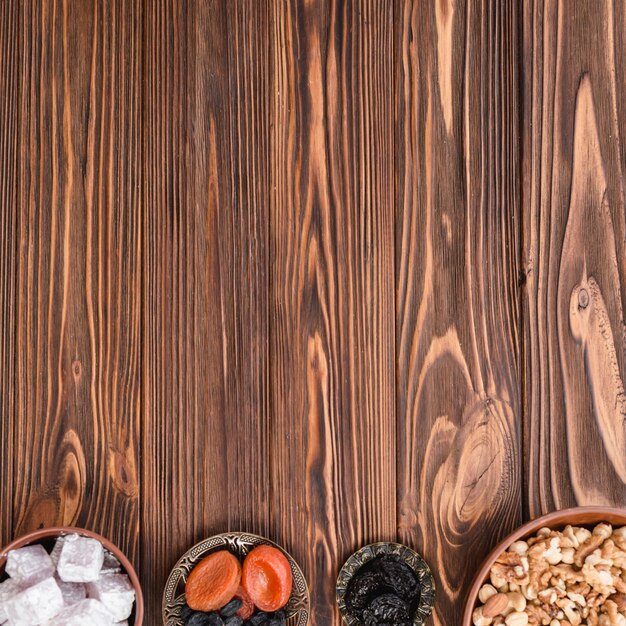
330, 272
574, 253
459, 428
71, 267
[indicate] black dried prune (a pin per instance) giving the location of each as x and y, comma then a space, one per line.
398, 576
278, 618
369, 619
204, 619
186, 613
389, 608
258, 618
362, 588
233, 620
231, 608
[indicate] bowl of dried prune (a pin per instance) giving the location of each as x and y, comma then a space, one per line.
236, 579
385, 584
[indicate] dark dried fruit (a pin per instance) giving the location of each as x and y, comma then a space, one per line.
363, 587
384, 592
388, 609
258, 619
233, 620
231, 608
399, 577
204, 619
370, 620
186, 613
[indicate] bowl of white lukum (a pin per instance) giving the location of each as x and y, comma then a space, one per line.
68, 576
567, 568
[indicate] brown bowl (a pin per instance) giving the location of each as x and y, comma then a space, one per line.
48, 534
580, 516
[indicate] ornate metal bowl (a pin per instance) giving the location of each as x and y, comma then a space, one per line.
411, 558
297, 608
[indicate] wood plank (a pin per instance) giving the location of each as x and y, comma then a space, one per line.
78, 283
249, 39
457, 265
574, 253
10, 43
332, 310
206, 415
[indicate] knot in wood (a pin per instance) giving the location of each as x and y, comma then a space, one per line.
583, 298
77, 369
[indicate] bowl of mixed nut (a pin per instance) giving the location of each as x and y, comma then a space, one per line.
566, 568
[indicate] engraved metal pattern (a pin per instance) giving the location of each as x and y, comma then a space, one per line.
410, 557
297, 609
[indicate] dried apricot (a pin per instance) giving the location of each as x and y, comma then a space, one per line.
247, 607
213, 582
267, 578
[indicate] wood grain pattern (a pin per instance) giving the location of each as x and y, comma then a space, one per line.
574, 253
457, 310
250, 105
330, 271
205, 427
75, 435
332, 216
9, 87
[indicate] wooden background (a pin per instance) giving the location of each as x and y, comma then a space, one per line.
329, 271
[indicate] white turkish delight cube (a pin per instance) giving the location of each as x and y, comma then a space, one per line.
80, 560
8, 589
56, 551
36, 604
29, 565
116, 592
110, 565
87, 612
72, 592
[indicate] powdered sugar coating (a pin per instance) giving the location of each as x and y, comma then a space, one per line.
81, 559
87, 612
116, 592
29, 565
36, 604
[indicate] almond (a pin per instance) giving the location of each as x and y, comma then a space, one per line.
496, 605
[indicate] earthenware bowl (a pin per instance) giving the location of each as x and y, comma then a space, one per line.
580, 516
47, 537
297, 609
410, 557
